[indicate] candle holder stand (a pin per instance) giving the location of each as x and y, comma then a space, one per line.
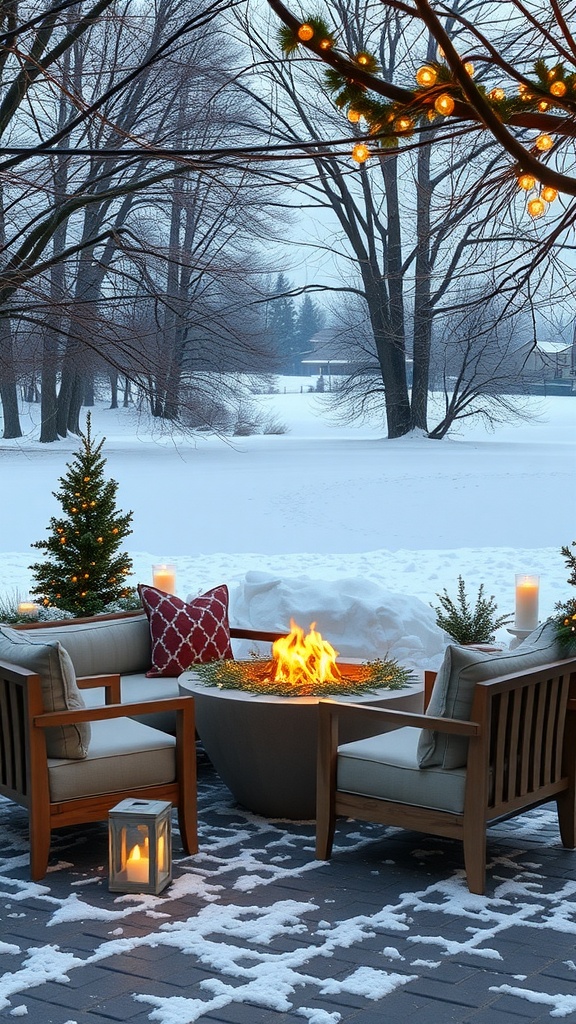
518, 635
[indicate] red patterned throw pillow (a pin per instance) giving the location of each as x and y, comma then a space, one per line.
184, 634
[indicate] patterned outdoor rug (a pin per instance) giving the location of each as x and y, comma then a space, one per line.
253, 929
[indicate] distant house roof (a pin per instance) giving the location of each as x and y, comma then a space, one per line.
326, 347
553, 346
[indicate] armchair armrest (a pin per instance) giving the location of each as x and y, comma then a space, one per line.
184, 705
110, 683
398, 719
239, 633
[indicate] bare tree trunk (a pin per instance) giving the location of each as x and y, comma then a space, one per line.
88, 396
113, 378
49, 401
422, 337
76, 400
8, 390
398, 413
65, 393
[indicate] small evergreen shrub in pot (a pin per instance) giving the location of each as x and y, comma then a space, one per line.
466, 623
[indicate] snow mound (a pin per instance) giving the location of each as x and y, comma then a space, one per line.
358, 617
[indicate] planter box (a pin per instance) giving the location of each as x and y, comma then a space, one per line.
264, 748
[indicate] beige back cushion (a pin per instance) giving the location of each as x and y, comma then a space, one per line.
59, 690
453, 690
104, 646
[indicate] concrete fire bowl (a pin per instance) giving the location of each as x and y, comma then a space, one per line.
264, 748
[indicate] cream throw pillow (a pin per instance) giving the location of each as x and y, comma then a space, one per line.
52, 663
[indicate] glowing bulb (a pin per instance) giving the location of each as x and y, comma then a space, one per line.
362, 58
558, 88
469, 68
543, 105
353, 116
426, 75
497, 94
444, 104
305, 32
431, 115
360, 153
549, 193
325, 44
544, 142
536, 207
404, 124
526, 181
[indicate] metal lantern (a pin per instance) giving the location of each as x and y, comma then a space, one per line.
140, 846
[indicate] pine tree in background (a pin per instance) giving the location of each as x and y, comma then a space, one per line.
281, 324
310, 319
84, 572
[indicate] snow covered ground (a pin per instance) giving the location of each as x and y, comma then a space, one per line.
337, 513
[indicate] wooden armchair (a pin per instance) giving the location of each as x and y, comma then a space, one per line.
125, 758
521, 753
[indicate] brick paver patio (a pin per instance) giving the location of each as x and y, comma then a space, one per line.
253, 930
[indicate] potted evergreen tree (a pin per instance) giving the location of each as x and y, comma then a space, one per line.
85, 572
467, 624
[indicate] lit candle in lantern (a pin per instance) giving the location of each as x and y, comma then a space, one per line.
29, 609
138, 865
164, 578
527, 588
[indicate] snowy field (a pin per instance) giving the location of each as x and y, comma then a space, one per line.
332, 518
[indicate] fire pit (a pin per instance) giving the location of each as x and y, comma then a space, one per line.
303, 666
262, 739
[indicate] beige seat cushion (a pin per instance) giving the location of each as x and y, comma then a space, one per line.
123, 755
51, 662
386, 767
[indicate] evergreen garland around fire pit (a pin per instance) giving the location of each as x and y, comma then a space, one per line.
257, 676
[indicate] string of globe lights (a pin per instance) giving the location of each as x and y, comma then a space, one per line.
351, 79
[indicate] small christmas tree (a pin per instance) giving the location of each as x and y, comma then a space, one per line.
85, 572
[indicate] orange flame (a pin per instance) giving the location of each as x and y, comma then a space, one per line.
304, 660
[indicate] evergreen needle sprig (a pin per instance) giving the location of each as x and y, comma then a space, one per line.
566, 623
257, 676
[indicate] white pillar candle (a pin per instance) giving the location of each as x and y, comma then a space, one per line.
164, 578
527, 588
138, 866
29, 609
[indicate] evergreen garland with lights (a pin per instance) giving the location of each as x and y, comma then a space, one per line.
440, 92
85, 572
566, 623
